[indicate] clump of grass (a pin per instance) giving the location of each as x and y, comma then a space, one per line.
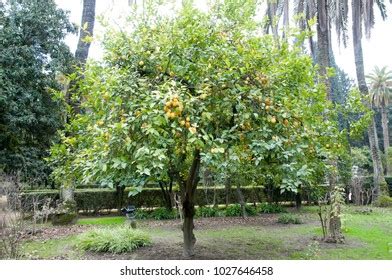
289, 219
113, 240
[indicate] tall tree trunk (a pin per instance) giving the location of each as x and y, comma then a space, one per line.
378, 176
188, 205
286, 17
272, 7
227, 190
82, 50
385, 132
86, 29
323, 44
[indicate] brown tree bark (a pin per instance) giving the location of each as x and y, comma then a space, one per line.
385, 132
88, 17
378, 176
188, 188
241, 200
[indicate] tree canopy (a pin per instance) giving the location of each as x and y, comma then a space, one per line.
32, 55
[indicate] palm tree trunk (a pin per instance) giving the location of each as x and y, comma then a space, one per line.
323, 45
86, 29
378, 176
385, 132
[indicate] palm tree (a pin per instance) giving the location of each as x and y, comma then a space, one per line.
380, 93
363, 14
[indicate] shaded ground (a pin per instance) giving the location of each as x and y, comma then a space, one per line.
261, 237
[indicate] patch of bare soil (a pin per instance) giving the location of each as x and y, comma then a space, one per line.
45, 233
216, 222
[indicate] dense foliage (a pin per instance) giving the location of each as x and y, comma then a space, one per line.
32, 55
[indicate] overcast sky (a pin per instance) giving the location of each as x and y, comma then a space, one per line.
377, 50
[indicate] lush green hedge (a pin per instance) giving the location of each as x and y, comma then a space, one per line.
98, 199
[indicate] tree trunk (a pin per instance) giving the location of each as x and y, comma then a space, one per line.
378, 176
385, 132
86, 29
188, 205
272, 7
286, 18
241, 200
323, 45
120, 197
167, 194
298, 200
227, 190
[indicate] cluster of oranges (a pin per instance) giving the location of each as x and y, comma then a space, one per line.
173, 108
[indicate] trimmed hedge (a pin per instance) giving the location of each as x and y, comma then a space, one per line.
98, 199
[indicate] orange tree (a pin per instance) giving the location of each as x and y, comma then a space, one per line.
198, 88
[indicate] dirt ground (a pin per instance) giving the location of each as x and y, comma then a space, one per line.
167, 239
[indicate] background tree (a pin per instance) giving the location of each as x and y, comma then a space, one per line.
380, 94
32, 54
363, 14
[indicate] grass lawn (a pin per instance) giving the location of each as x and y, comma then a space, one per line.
368, 236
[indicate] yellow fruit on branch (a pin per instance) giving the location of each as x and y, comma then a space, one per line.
273, 120
192, 130
285, 122
268, 101
188, 119
141, 63
182, 122
187, 124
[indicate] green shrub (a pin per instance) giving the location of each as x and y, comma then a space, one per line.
289, 219
268, 208
236, 210
206, 211
113, 240
163, 214
142, 214
384, 201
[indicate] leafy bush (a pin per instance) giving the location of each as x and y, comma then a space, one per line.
236, 210
113, 240
268, 208
142, 214
384, 201
206, 211
289, 219
233, 210
163, 214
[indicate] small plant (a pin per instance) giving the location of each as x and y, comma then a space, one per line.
268, 208
233, 210
384, 201
163, 214
312, 251
236, 210
142, 214
113, 240
289, 219
206, 211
